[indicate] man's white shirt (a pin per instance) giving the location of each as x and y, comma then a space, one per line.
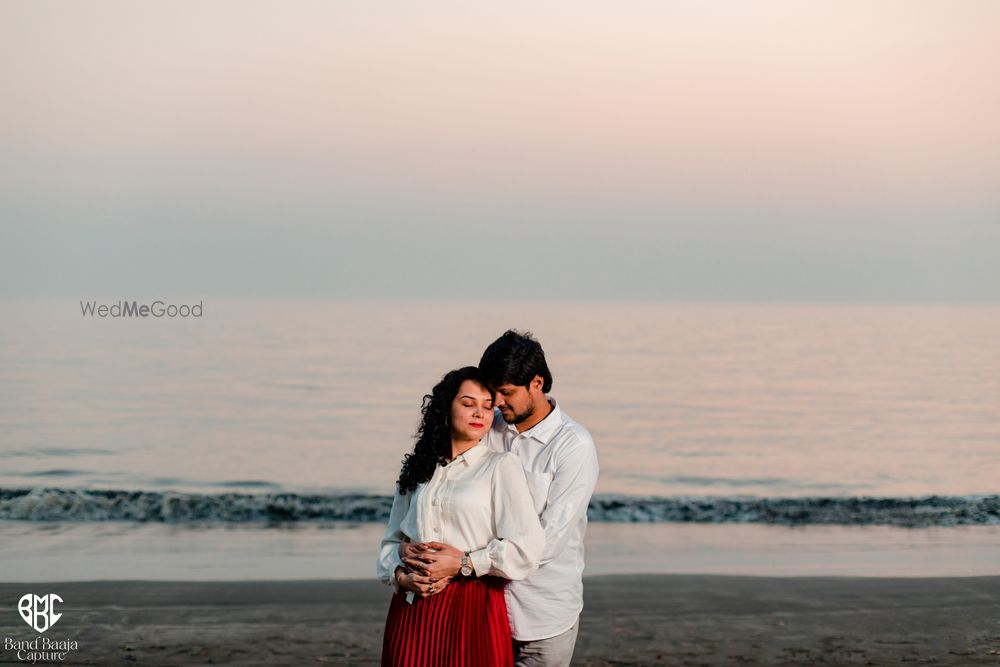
560, 464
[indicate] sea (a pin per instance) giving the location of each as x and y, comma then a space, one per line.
262, 438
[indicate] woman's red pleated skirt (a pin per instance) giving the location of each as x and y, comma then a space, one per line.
465, 625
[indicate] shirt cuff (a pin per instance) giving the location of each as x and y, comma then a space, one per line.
395, 561
481, 562
394, 582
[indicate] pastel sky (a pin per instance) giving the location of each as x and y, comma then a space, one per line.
723, 150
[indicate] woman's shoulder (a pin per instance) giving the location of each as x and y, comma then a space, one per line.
496, 455
505, 462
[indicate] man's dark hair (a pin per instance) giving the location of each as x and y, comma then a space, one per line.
515, 358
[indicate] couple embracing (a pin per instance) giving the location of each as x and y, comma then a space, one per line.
484, 547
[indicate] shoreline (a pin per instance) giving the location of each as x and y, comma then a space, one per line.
92, 551
627, 620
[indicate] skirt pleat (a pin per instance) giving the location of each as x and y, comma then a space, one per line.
465, 625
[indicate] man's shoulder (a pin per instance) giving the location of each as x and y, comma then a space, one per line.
573, 449
573, 434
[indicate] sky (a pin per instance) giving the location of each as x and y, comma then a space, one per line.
725, 150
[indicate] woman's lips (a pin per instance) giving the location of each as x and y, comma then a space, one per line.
476, 424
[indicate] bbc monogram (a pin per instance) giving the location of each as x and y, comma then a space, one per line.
39, 611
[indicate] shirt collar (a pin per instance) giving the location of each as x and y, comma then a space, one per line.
545, 429
471, 455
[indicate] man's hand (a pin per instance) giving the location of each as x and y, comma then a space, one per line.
434, 560
408, 549
424, 587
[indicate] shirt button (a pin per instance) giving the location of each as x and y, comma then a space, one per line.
434, 502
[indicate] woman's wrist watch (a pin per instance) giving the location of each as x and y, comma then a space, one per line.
466, 568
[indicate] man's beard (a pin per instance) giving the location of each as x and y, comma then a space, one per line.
516, 418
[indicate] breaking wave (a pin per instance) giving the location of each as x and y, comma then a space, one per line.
55, 504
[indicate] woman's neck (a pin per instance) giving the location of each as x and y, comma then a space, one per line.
459, 447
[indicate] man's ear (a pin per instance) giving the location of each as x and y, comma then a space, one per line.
537, 382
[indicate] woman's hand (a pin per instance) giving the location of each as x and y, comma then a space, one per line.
435, 560
422, 586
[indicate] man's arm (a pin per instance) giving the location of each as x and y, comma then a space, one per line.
517, 547
388, 558
573, 482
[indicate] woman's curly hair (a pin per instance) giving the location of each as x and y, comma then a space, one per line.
433, 446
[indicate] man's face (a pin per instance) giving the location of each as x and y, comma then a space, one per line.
515, 402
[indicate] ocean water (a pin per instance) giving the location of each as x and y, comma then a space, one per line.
262, 439
322, 397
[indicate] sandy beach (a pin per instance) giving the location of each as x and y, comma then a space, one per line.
628, 620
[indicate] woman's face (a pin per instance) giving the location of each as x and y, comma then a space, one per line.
471, 411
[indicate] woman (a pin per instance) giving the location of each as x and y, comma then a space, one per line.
475, 505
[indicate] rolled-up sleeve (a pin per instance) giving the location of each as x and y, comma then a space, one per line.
388, 557
517, 548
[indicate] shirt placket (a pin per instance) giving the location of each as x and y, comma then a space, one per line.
438, 498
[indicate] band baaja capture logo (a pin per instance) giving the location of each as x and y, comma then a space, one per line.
39, 612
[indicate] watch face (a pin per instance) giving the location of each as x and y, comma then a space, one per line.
466, 570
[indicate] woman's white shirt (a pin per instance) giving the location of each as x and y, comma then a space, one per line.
479, 503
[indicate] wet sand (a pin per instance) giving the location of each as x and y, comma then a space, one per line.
628, 620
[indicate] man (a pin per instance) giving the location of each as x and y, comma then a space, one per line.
560, 463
